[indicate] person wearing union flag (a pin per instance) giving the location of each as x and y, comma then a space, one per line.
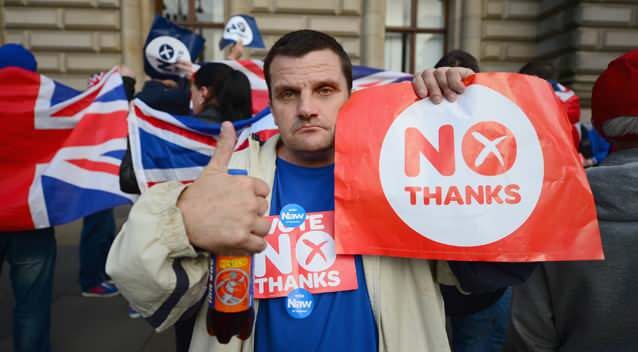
31, 256
160, 259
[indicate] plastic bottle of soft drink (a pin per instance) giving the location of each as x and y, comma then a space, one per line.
230, 297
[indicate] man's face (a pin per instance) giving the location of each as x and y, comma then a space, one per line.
306, 95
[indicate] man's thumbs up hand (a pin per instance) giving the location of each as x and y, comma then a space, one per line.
223, 214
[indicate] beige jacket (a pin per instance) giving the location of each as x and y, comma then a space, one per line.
160, 273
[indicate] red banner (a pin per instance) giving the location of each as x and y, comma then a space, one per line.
491, 177
303, 257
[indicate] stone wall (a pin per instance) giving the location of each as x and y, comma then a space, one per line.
582, 37
341, 18
70, 38
74, 38
508, 34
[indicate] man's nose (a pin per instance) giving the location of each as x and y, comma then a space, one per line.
307, 106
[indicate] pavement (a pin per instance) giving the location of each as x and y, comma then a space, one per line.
79, 323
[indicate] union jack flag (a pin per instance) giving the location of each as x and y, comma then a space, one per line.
571, 102
170, 147
61, 149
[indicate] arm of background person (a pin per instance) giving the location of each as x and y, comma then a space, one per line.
481, 277
172, 97
236, 51
128, 180
128, 80
532, 325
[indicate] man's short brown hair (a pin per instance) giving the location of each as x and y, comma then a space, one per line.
299, 43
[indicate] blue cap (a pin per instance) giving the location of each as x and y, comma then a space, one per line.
16, 55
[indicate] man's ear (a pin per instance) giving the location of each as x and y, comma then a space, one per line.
205, 92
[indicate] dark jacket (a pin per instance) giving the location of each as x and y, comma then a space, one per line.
483, 282
588, 306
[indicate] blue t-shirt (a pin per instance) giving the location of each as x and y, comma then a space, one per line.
340, 321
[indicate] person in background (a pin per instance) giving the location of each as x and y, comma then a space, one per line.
478, 321
571, 101
597, 146
98, 229
216, 93
591, 306
220, 93
458, 58
31, 256
98, 232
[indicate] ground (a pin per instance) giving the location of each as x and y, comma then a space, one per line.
82, 324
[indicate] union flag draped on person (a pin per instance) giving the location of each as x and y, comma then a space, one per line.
61, 149
170, 147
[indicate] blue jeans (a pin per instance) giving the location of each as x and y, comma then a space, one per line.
31, 257
98, 232
483, 331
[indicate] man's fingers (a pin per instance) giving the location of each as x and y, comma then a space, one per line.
254, 244
455, 78
432, 85
262, 206
419, 85
261, 188
441, 79
225, 147
261, 226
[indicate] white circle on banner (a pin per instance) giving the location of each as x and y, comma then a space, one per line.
163, 52
477, 185
316, 251
237, 28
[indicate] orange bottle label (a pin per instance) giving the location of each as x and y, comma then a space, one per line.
231, 283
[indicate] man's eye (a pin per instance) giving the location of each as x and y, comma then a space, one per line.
326, 90
287, 94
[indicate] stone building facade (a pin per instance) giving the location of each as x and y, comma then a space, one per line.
74, 38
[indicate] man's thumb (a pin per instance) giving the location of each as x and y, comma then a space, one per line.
225, 147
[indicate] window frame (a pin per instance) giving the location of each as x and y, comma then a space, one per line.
191, 17
412, 30
191, 21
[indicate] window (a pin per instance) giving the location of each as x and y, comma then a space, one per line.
415, 34
203, 16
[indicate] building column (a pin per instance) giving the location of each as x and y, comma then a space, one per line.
470, 27
135, 27
2, 39
373, 33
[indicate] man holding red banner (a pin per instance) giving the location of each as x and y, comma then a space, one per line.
160, 260
590, 306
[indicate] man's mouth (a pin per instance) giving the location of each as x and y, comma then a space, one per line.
308, 128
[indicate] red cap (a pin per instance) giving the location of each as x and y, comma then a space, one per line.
615, 93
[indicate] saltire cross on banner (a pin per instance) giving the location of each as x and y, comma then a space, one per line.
170, 147
244, 28
61, 149
490, 177
165, 44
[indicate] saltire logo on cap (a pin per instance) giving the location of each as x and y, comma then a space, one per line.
165, 44
244, 28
